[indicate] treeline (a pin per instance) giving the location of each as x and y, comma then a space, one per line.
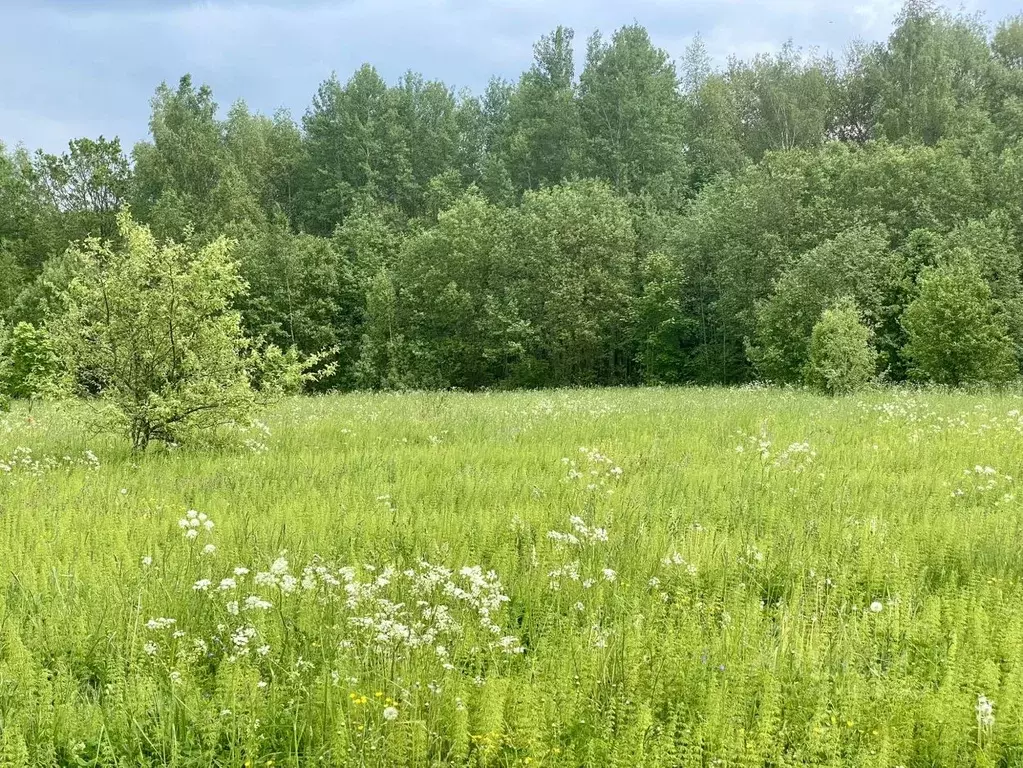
646, 220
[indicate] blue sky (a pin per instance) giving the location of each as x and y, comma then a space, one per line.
71, 68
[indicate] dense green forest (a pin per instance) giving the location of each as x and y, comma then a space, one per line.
642, 220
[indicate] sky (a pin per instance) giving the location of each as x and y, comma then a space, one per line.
73, 68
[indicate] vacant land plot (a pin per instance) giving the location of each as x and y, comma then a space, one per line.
603, 577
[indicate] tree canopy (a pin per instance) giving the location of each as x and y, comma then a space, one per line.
648, 217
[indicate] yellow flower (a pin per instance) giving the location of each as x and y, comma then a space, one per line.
378, 694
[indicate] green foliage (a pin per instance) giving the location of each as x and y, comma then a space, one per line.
661, 323
149, 329
841, 359
772, 185
956, 333
631, 112
300, 294
28, 362
858, 263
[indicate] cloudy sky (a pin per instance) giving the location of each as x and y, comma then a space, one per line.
72, 68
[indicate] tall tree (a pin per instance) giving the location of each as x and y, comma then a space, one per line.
932, 71
541, 140
632, 113
85, 186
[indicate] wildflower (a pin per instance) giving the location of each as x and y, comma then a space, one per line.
254, 603
390, 713
151, 648
263, 650
209, 549
232, 607
175, 677
876, 607
191, 533
985, 712
609, 574
147, 561
124, 491
226, 584
241, 571
201, 585
160, 623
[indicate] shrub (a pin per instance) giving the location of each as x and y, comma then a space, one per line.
29, 364
150, 327
956, 334
841, 359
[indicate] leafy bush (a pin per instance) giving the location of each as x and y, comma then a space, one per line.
150, 327
956, 333
841, 359
29, 364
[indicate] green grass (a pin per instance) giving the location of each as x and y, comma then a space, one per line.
755, 644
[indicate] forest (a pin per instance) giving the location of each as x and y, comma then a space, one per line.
645, 219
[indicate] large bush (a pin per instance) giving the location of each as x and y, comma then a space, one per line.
841, 359
956, 333
151, 332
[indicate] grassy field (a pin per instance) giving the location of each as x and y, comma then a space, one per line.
599, 578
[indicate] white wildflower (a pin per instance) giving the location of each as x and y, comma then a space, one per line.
390, 713
985, 712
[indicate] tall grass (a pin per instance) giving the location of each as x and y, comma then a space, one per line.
601, 578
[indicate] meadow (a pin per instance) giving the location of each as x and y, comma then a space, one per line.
647, 577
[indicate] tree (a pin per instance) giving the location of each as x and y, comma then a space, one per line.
455, 281
540, 141
785, 101
662, 326
631, 112
841, 359
578, 242
85, 186
931, 73
956, 335
301, 295
149, 332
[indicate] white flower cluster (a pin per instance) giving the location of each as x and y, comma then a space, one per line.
760, 444
586, 575
595, 471
192, 523
985, 483
985, 712
22, 461
581, 534
797, 457
677, 561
